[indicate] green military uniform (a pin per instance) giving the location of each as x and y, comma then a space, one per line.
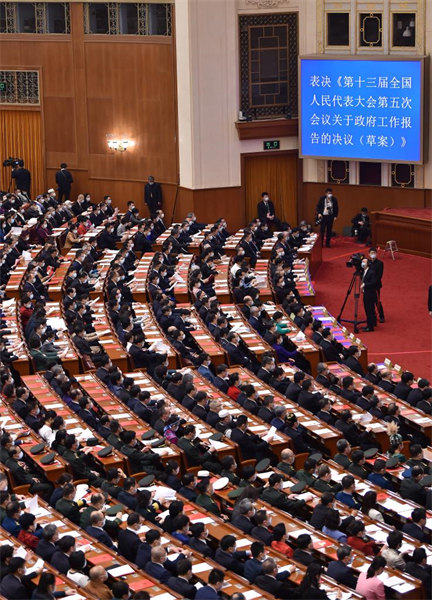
206, 502
69, 509
303, 475
342, 460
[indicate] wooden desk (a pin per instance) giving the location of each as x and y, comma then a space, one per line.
247, 333
46, 396
202, 336
412, 417
341, 334
111, 405
13, 424
321, 433
411, 228
155, 333
203, 430
62, 582
299, 339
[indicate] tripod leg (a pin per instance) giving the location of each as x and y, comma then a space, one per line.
350, 287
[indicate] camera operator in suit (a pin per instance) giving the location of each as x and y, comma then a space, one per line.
327, 211
377, 266
22, 176
369, 289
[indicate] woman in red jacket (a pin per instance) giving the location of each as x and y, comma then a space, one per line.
279, 540
358, 541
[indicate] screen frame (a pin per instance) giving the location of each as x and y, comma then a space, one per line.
424, 121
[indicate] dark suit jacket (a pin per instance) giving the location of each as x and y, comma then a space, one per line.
263, 209
320, 206
157, 571
231, 561
243, 523
354, 365
181, 586
207, 593
60, 561
303, 557
377, 266
416, 532
279, 589
128, 543
342, 573
263, 534
330, 352
45, 549
101, 536
12, 588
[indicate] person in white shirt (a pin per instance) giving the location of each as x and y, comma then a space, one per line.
77, 562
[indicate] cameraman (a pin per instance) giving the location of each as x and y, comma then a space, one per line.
22, 176
369, 289
377, 266
327, 211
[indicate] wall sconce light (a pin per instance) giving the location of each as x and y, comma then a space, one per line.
119, 145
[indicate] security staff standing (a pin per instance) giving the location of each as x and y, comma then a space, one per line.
368, 287
153, 195
22, 177
377, 266
64, 181
327, 211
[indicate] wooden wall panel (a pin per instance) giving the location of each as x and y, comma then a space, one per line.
59, 119
352, 198
97, 85
275, 173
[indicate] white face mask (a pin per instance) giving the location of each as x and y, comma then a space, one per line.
19, 455
372, 256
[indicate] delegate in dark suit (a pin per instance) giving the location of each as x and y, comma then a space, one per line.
64, 181
328, 208
342, 573
264, 208
377, 266
128, 542
153, 196
279, 589
369, 282
12, 588
182, 587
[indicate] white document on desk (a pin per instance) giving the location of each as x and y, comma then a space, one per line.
120, 571
200, 568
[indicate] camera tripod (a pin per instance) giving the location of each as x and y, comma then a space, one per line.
354, 285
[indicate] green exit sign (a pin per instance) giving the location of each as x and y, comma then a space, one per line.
2, 86
272, 145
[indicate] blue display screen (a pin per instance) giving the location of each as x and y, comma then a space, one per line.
361, 109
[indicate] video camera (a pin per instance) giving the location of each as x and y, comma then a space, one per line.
355, 261
11, 162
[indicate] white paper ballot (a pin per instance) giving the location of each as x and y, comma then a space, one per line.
38, 565
200, 568
119, 571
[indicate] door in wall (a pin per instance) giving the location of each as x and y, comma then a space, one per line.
277, 174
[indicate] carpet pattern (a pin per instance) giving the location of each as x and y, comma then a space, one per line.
406, 336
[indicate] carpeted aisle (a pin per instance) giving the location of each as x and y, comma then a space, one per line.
405, 337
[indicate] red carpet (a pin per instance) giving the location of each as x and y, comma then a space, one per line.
405, 337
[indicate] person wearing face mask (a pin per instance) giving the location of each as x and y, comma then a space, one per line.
97, 584
266, 210
96, 529
340, 570
361, 226
153, 195
352, 360
369, 288
327, 211
23, 475
377, 265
